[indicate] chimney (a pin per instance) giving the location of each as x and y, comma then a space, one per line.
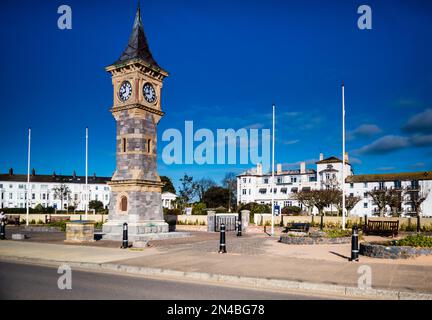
54, 174
11, 171
74, 174
346, 157
279, 168
302, 167
259, 169
321, 156
33, 172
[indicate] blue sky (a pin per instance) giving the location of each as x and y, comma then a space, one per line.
228, 62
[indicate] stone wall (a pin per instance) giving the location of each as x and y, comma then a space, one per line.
37, 217
381, 251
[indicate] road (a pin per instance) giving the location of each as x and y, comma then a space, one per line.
25, 281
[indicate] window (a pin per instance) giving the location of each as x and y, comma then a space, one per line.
10, 196
365, 205
397, 184
124, 145
351, 194
149, 146
365, 184
1, 186
381, 185
249, 180
365, 194
123, 204
249, 191
351, 185
244, 180
266, 180
43, 196
20, 186
293, 179
244, 191
33, 196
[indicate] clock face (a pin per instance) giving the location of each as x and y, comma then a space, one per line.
125, 91
149, 93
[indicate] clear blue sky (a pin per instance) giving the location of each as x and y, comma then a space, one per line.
228, 61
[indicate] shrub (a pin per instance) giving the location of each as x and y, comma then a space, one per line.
291, 210
174, 211
199, 208
417, 240
59, 224
33, 221
40, 222
337, 233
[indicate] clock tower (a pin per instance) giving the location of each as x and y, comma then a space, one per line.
136, 186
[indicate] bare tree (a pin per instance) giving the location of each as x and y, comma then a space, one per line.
380, 198
230, 183
305, 198
350, 202
416, 198
63, 193
202, 186
395, 199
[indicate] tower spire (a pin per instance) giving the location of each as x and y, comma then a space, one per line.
137, 47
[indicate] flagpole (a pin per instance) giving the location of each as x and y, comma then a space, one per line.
343, 156
86, 176
28, 178
272, 184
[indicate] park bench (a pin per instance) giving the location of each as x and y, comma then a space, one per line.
51, 219
297, 227
382, 228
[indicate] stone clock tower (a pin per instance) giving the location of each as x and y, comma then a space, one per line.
135, 186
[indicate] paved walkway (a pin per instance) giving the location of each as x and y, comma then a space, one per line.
250, 256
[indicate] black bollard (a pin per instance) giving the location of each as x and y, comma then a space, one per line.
354, 244
239, 225
2, 230
322, 222
125, 243
418, 223
222, 244
46, 219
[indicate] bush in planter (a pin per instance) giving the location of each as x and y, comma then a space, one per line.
417, 240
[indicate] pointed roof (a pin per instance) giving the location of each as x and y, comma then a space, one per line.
137, 47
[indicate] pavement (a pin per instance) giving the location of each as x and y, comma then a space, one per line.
254, 260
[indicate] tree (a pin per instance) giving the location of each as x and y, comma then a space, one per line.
305, 198
96, 205
416, 198
395, 199
230, 183
62, 192
350, 202
168, 187
187, 190
380, 198
254, 207
202, 186
216, 196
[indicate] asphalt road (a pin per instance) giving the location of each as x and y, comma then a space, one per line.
25, 281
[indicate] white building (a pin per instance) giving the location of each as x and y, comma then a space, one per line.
13, 190
168, 199
255, 186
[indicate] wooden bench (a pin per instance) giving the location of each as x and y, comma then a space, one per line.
57, 219
382, 228
297, 227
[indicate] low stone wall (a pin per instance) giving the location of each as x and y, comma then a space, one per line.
41, 217
263, 218
376, 250
287, 239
